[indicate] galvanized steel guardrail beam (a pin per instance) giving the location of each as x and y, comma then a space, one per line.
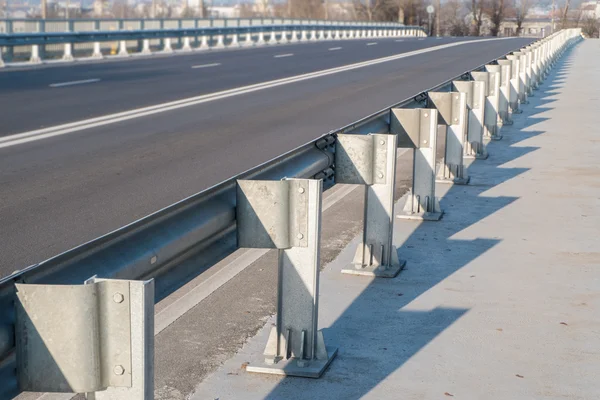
158, 243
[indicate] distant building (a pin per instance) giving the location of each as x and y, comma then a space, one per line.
224, 11
531, 27
99, 8
590, 10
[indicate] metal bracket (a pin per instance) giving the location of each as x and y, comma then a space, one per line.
491, 118
417, 129
522, 76
505, 108
475, 92
371, 160
515, 84
100, 338
286, 215
452, 108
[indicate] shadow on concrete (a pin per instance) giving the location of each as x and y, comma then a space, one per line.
370, 353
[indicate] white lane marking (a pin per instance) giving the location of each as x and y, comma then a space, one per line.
109, 119
400, 40
283, 55
72, 83
371, 44
183, 304
440, 38
206, 65
335, 48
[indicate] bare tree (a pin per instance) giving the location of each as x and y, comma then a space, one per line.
522, 8
379, 10
476, 8
591, 27
366, 9
565, 13
120, 9
497, 11
453, 16
305, 9
187, 12
408, 11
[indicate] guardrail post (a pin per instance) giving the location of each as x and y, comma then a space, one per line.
505, 91
35, 55
516, 87
475, 93
220, 42
168, 49
248, 39
371, 160
187, 46
97, 54
123, 49
204, 43
515, 84
146, 47
492, 101
2, 65
272, 37
286, 215
537, 66
522, 76
531, 82
100, 341
452, 108
68, 54
261, 38
68, 51
417, 130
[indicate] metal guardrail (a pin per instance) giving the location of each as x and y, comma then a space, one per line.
38, 43
89, 24
206, 223
41, 38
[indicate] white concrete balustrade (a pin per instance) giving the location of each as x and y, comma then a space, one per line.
271, 36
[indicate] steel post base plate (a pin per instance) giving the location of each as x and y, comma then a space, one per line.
482, 156
313, 368
424, 216
455, 181
379, 271
496, 136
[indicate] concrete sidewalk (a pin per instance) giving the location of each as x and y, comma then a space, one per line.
500, 299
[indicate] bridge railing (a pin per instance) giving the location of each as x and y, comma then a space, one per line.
274, 205
39, 40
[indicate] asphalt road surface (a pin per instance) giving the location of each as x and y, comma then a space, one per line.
63, 188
